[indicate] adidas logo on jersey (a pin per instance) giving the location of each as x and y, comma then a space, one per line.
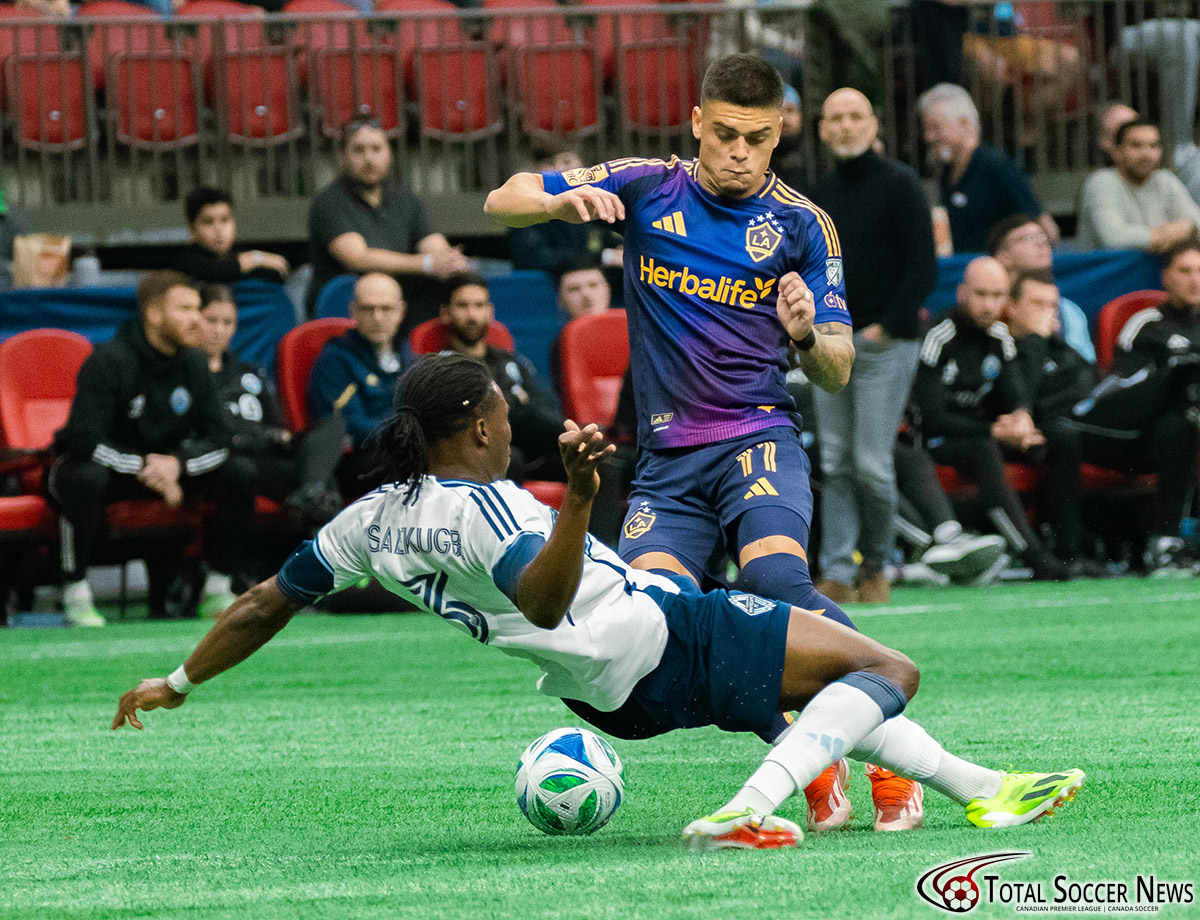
760, 488
672, 223
724, 290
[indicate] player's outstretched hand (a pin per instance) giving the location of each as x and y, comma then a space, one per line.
583, 450
795, 306
580, 205
151, 693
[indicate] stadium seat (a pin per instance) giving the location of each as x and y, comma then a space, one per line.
556, 89
322, 25
1114, 315
154, 99
293, 363
38, 369
615, 31
547, 491
334, 298
109, 38
19, 37
363, 82
593, 356
1022, 477
256, 96
433, 335
25, 522
225, 26
458, 91
658, 85
419, 29
47, 101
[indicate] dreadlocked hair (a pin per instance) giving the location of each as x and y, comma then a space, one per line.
436, 398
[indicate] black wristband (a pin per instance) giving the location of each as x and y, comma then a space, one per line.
806, 343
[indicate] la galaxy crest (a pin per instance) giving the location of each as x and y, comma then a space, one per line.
763, 236
585, 175
640, 522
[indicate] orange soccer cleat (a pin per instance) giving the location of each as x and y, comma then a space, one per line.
898, 801
828, 806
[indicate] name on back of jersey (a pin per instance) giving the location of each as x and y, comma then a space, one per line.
734, 292
404, 540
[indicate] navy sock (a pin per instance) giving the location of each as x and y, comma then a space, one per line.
784, 577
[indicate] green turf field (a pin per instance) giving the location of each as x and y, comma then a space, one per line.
362, 767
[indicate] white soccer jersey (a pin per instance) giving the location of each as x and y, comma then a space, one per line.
458, 549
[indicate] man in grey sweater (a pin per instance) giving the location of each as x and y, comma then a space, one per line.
1137, 204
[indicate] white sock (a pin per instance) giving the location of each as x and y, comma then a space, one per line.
834, 722
905, 748
78, 594
947, 532
216, 583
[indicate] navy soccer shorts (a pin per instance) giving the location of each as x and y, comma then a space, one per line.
686, 500
722, 665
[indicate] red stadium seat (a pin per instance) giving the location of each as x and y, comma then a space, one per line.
256, 93
46, 99
556, 88
366, 81
154, 99
293, 363
225, 26
322, 25
1022, 477
419, 29
593, 355
433, 335
458, 91
133, 35
546, 491
616, 31
658, 85
1114, 315
20, 37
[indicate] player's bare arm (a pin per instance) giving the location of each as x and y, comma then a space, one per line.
827, 357
523, 201
245, 627
548, 584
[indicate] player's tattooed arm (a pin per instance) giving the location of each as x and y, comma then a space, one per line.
828, 362
523, 201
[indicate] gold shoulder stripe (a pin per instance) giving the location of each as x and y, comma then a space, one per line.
636, 161
774, 181
827, 229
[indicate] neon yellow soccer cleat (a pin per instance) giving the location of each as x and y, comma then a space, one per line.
1024, 798
744, 830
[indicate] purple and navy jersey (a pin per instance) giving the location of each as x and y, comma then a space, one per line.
707, 349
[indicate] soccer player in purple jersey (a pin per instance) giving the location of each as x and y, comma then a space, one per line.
726, 268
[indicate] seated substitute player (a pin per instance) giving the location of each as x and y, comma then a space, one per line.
634, 653
726, 268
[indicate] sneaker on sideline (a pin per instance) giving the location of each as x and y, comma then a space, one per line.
965, 557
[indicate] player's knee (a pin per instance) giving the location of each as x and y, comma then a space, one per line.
900, 670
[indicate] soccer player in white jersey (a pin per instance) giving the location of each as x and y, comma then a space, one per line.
632, 652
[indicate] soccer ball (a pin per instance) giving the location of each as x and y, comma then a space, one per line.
569, 781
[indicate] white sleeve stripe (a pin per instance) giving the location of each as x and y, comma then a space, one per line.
115, 460
504, 509
938, 336
1134, 325
316, 545
206, 463
487, 516
1008, 346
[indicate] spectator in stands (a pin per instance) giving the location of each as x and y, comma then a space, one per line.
295, 471
1056, 377
1137, 204
939, 27
210, 257
355, 374
882, 218
787, 160
979, 185
11, 226
1020, 245
1144, 417
1115, 115
146, 423
582, 291
366, 221
1039, 73
1171, 48
970, 402
534, 414
553, 246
